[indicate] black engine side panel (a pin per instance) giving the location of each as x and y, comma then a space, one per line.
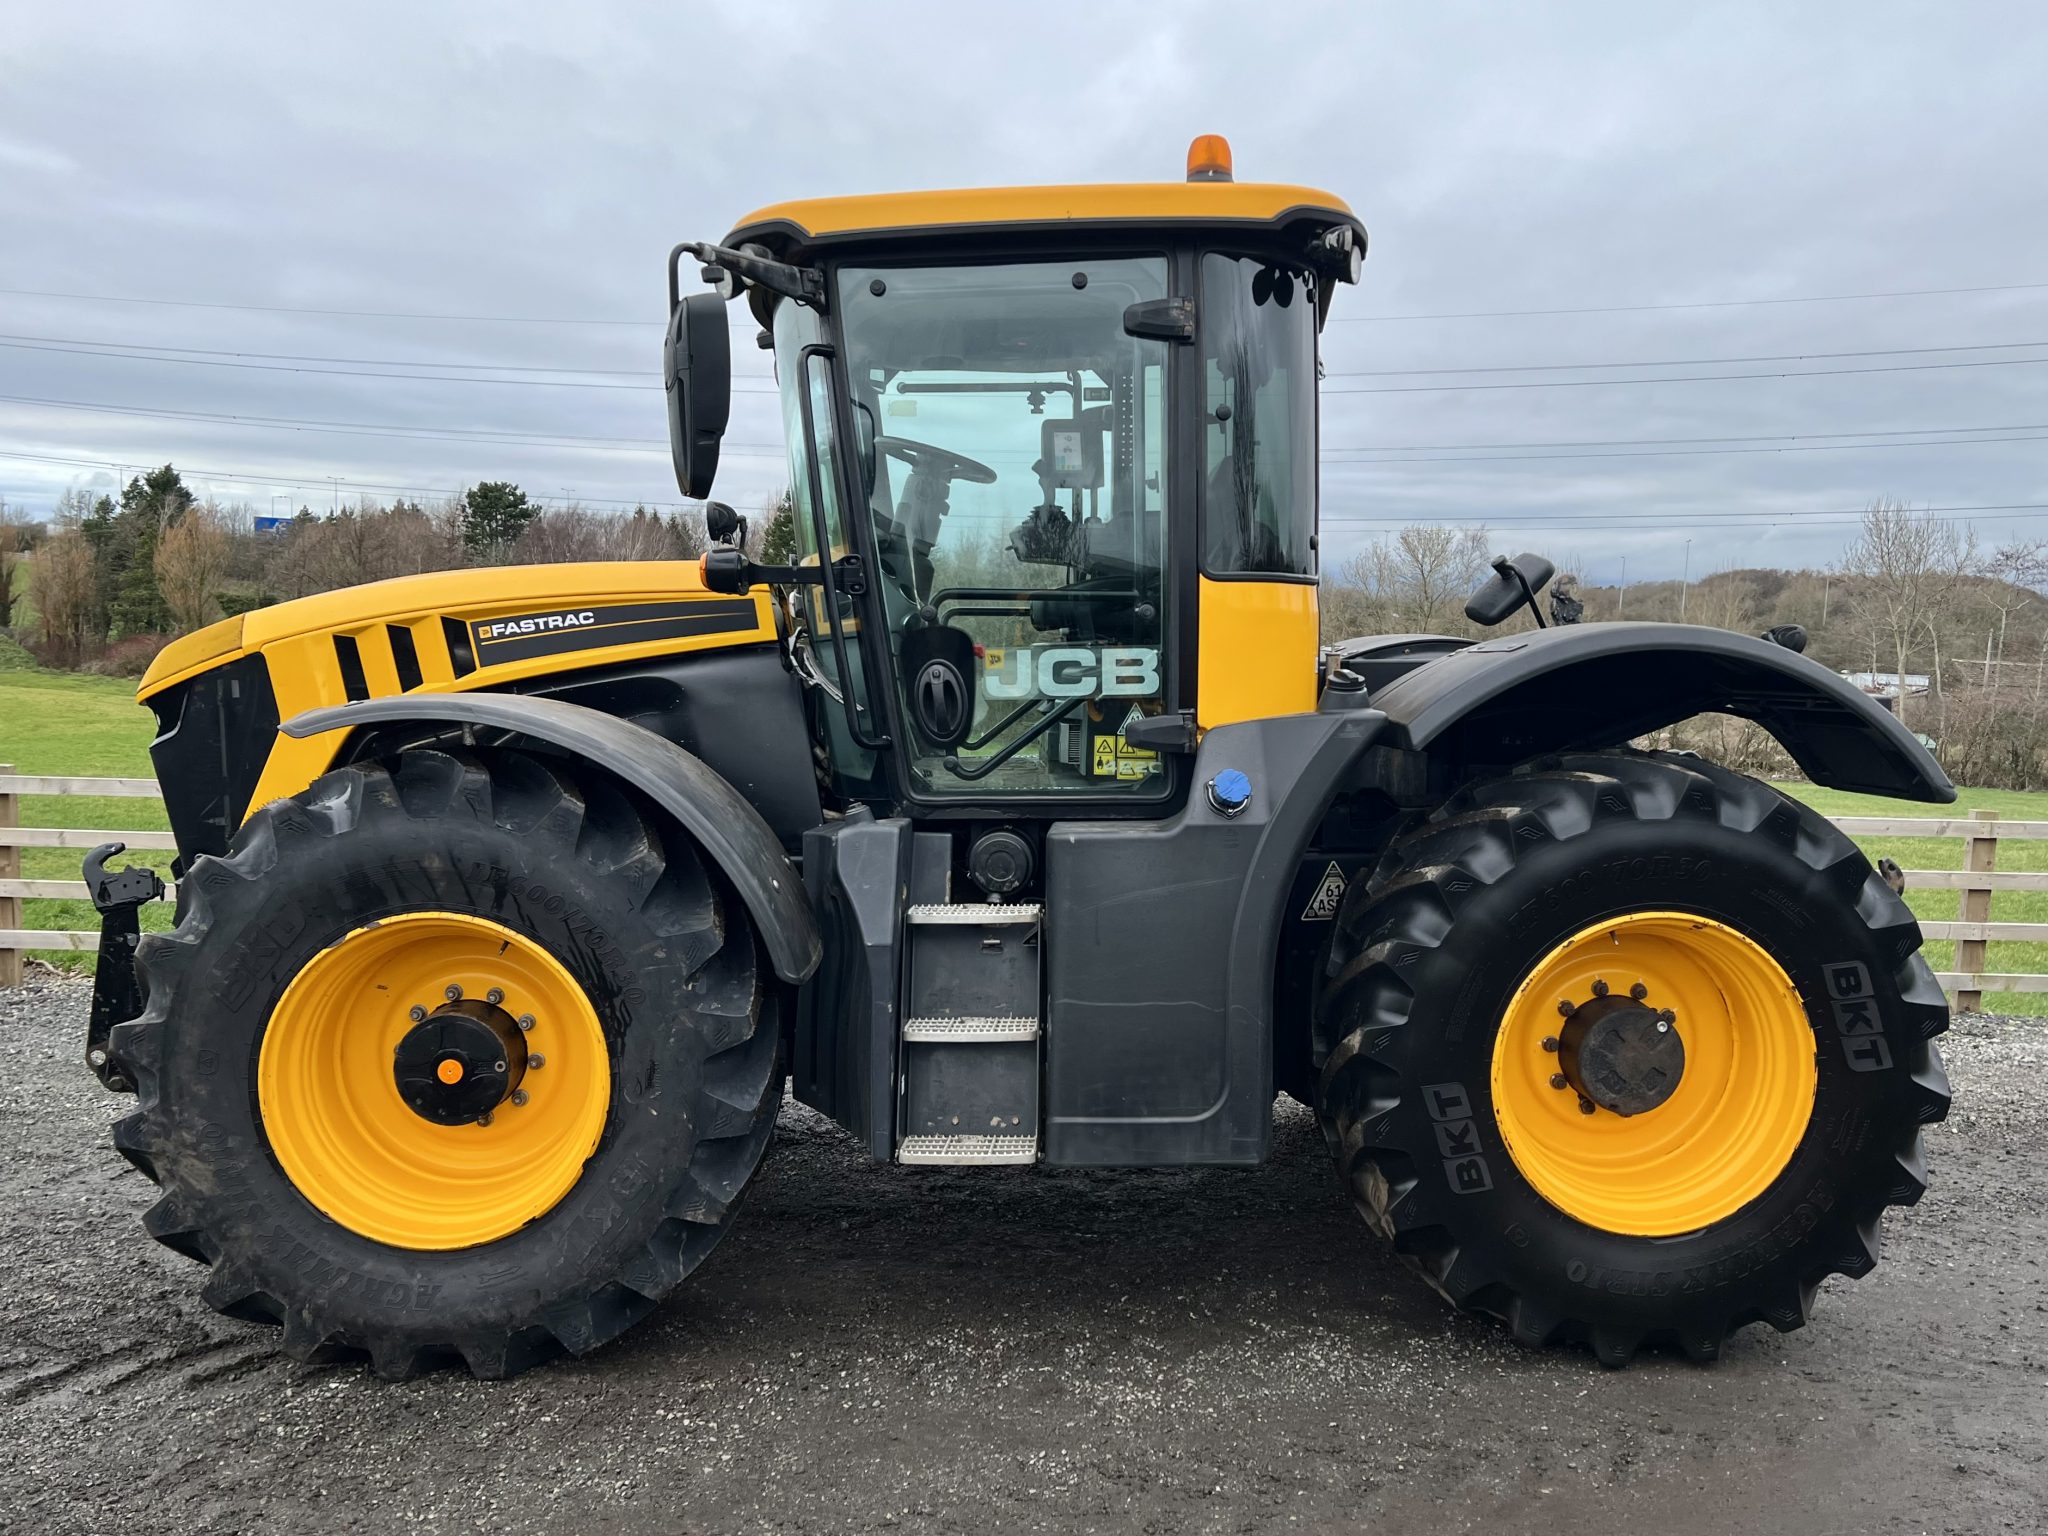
740, 710
213, 734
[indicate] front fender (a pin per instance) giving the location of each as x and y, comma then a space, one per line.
742, 845
1598, 685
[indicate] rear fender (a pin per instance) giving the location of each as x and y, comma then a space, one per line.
1521, 696
742, 845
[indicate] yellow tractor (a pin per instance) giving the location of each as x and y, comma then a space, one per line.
1018, 818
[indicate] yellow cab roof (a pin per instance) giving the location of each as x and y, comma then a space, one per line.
831, 219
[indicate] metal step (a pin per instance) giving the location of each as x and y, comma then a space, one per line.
970, 1031
976, 914
968, 1149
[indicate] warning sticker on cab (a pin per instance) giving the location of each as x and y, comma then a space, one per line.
1329, 896
1115, 758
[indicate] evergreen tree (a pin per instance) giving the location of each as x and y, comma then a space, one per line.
494, 513
778, 539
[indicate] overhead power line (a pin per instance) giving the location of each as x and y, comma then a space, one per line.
1640, 309
393, 430
1686, 378
358, 373
1685, 362
1672, 453
1334, 455
1349, 522
765, 388
122, 349
1649, 522
653, 318
149, 351
324, 482
1669, 442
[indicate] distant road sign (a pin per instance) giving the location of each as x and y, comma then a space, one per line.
272, 524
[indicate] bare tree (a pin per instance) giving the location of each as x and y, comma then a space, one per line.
576, 533
1911, 566
2017, 571
1417, 580
66, 588
191, 563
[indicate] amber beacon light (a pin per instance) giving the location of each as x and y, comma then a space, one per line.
1209, 158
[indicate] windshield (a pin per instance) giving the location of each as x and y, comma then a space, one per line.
1016, 489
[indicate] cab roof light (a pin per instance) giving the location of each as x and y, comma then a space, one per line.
1209, 158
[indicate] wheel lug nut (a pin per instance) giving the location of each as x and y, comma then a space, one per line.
1557, 1080
1585, 1106
1639, 991
417, 1014
1550, 1042
1566, 1007
1599, 989
535, 1063
495, 996
518, 1095
526, 1021
484, 1118
1667, 1017
452, 992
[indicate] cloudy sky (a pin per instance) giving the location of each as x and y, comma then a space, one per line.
440, 229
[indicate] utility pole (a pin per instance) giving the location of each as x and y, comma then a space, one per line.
1685, 581
1621, 601
1825, 578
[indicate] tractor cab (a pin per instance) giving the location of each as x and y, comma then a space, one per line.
1053, 466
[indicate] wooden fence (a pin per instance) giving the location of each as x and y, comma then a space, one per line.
1980, 875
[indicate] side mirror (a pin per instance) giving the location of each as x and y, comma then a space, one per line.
1515, 582
696, 371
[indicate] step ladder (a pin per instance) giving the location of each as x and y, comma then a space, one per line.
969, 1057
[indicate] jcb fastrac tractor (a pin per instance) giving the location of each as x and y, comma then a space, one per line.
1018, 817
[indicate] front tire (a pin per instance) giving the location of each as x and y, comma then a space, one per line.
329, 1062
1679, 1196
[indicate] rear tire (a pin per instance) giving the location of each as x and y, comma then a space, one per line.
1426, 975
571, 868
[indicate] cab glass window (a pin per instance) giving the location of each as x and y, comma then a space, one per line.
1259, 418
1016, 492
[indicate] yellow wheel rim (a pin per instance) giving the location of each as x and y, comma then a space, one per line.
1728, 1129
345, 1137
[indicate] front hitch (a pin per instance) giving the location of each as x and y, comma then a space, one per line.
116, 997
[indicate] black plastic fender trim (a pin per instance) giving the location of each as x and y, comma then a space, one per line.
1519, 696
742, 845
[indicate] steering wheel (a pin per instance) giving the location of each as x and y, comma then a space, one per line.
924, 459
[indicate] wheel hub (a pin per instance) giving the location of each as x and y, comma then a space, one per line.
460, 1062
1621, 1054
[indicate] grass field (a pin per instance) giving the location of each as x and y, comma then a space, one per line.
56, 723
88, 727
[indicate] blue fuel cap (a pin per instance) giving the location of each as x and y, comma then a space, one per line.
1230, 792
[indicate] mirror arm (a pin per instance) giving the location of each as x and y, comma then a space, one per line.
725, 268
1508, 567
730, 571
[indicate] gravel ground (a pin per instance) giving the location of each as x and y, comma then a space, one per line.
936, 1350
